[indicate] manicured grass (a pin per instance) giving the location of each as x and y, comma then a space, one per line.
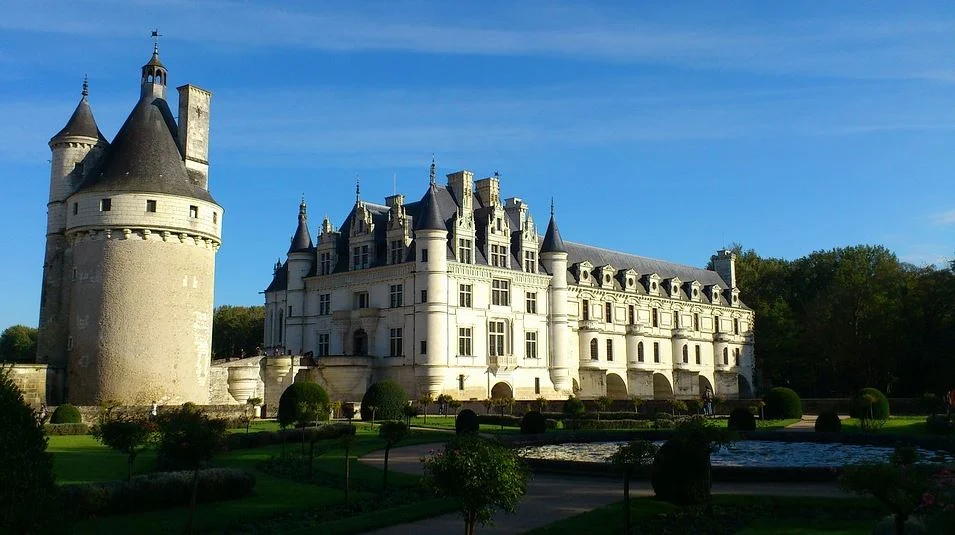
902, 425
447, 422
81, 458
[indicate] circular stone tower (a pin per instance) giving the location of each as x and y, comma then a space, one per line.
143, 232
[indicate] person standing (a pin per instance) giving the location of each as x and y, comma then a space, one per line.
708, 402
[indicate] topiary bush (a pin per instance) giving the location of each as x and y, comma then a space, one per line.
741, 420
782, 403
681, 473
66, 429
938, 424
389, 400
828, 422
533, 423
66, 414
295, 396
877, 410
466, 422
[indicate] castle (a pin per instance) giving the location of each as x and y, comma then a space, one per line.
457, 293
132, 234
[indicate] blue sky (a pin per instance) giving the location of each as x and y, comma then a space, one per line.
663, 129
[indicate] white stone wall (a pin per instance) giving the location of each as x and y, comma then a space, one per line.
128, 210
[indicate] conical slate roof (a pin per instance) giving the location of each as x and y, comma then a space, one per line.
81, 123
430, 218
302, 240
144, 156
552, 241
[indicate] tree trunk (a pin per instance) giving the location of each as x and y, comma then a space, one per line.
347, 475
469, 520
626, 503
190, 526
384, 485
129, 467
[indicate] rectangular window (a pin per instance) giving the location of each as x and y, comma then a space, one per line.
585, 310
424, 296
397, 295
698, 358
656, 351
464, 295
364, 257
323, 344
105, 205
500, 292
464, 251
69, 343
290, 311
530, 345
530, 261
397, 251
736, 357
150, 205
696, 321
324, 304
460, 382
325, 263
530, 302
396, 348
464, 341
716, 323
76, 208
424, 255
495, 331
215, 218
735, 325
424, 347
631, 315
194, 212
361, 300
537, 385
609, 350
608, 312
654, 317
676, 319
499, 255
356, 258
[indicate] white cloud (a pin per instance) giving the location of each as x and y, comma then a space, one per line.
944, 218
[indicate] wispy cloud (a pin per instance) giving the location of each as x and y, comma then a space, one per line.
944, 218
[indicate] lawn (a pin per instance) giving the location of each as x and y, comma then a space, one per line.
447, 422
277, 505
744, 515
902, 425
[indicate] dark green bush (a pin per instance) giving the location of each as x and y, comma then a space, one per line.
879, 410
828, 422
694, 406
290, 404
938, 424
389, 400
506, 420
466, 422
741, 420
26, 469
782, 403
533, 423
158, 490
588, 425
681, 472
664, 421
66, 429
238, 441
66, 414
574, 407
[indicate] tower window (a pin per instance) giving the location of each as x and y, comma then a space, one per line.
639, 351
76, 208
424, 347
194, 212
150, 205
424, 296
69, 343
609, 350
594, 355
686, 355
105, 205
537, 385
215, 218
424, 255
460, 382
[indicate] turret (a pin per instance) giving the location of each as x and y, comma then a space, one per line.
553, 257
154, 77
301, 254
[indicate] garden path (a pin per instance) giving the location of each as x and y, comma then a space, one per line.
551, 497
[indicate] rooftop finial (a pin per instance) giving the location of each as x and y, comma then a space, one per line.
156, 35
86, 85
357, 188
552, 207
497, 175
302, 207
432, 181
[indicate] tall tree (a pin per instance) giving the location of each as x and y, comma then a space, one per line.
18, 344
237, 330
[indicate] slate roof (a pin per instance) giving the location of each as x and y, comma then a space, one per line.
430, 213
552, 242
279, 280
81, 123
578, 252
302, 240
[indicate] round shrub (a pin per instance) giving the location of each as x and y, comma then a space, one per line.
389, 400
466, 422
66, 414
828, 422
782, 403
574, 407
938, 424
878, 409
533, 423
741, 420
681, 472
290, 404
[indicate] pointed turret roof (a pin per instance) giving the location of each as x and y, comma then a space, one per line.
552, 240
302, 240
430, 217
81, 123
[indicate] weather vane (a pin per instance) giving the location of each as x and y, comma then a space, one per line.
156, 35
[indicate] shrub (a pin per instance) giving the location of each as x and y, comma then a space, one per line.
782, 403
158, 490
238, 441
506, 420
681, 473
870, 403
388, 400
66, 414
574, 407
533, 423
588, 425
938, 424
26, 469
741, 420
297, 397
466, 422
52, 430
694, 406
828, 422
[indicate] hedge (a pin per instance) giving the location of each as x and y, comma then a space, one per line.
587, 425
66, 414
741, 420
66, 429
533, 423
239, 441
496, 419
159, 490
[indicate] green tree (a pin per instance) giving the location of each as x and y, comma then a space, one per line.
603, 404
125, 435
347, 440
237, 330
628, 459
392, 433
896, 484
251, 407
480, 475
425, 400
18, 344
444, 401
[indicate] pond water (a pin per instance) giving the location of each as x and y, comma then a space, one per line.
749, 453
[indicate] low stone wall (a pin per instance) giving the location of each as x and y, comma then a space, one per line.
31, 380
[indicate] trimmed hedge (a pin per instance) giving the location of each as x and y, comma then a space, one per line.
388, 398
782, 403
496, 419
879, 410
240, 441
533, 423
741, 420
828, 422
66, 414
588, 425
466, 422
295, 395
159, 490
66, 429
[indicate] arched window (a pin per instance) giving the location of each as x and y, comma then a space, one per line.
593, 349
686, 355
639, 351
726, 356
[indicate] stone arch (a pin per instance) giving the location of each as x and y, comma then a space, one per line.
704, 384
616, 387
502, 390
743, 387
661, 387
360, 343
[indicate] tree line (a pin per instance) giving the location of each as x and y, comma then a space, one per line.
835, 321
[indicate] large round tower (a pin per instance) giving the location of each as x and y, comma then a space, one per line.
143, 231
